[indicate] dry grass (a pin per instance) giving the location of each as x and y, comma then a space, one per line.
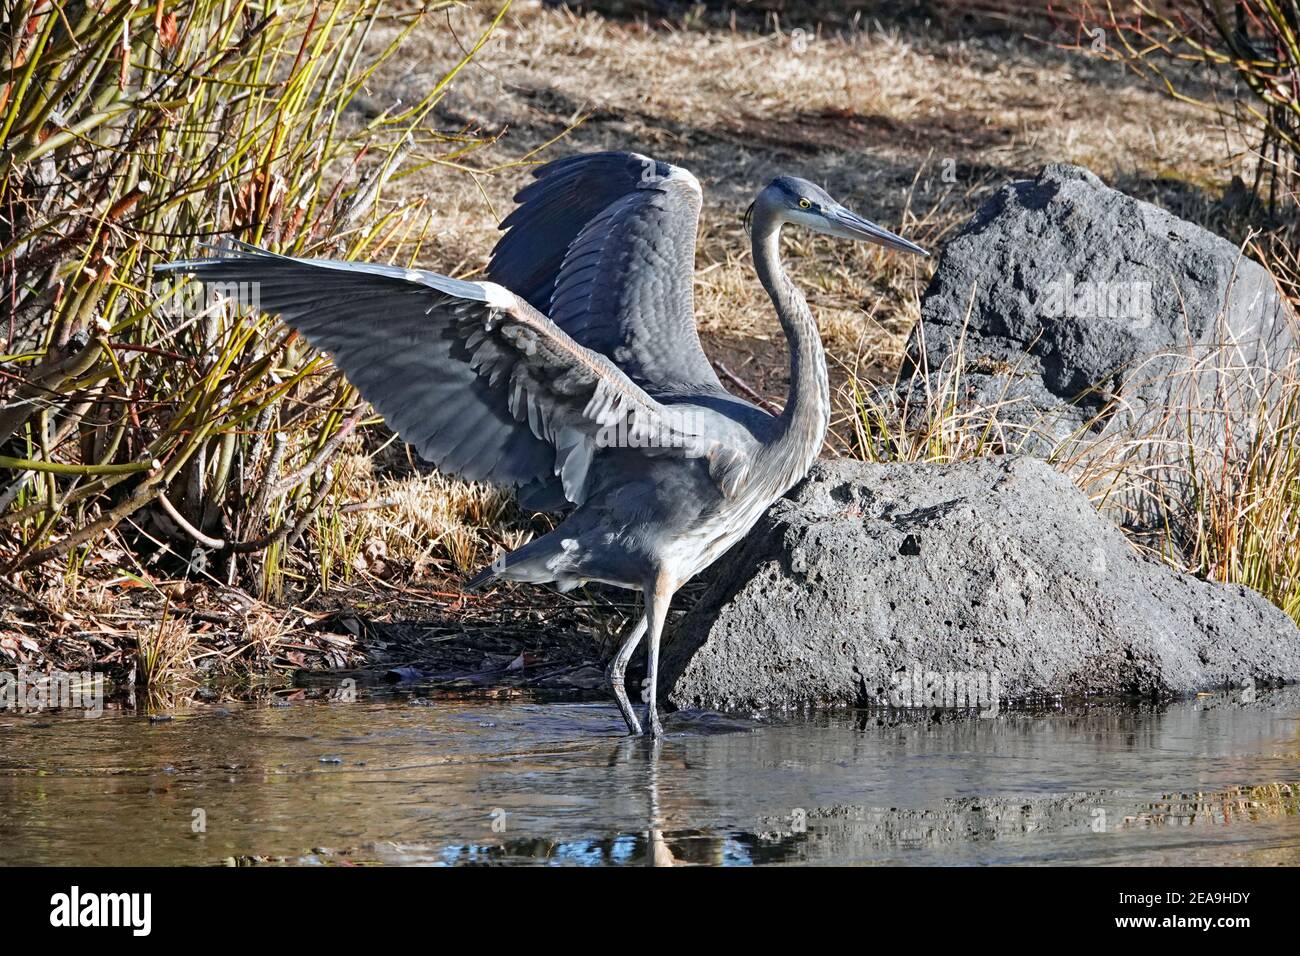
883, 116
1245, 525
164, 652
413, 524
912, 127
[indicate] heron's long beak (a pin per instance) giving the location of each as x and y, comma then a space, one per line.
849, 225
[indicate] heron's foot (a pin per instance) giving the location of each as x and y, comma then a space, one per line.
651, 712
624, 705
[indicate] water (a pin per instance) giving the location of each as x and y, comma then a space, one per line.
439, 780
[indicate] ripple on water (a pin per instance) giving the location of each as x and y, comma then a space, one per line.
441, 780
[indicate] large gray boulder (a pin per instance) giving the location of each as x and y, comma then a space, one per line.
997, 569
1079, 313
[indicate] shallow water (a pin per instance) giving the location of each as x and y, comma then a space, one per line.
395, 778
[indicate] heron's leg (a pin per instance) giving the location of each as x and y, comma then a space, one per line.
657, 599
615, 672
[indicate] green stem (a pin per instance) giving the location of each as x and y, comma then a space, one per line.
59, 468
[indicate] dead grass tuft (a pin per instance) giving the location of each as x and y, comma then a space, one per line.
164, 652
412, 525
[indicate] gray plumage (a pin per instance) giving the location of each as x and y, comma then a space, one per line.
575, 375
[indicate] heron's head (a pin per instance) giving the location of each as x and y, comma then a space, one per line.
797, 201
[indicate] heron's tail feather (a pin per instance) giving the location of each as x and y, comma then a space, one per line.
553, 558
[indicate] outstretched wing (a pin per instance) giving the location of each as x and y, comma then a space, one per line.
604, 243
477, 380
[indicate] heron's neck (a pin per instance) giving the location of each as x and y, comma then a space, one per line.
806, 416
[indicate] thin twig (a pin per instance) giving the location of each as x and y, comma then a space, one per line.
741, 384
216, 544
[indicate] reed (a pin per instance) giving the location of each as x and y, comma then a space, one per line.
161, 415
1255, 44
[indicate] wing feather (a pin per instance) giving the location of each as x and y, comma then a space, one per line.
604, 243
472, 376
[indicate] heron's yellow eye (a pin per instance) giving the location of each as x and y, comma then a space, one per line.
805, 204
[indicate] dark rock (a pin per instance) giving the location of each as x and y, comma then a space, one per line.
1144, 283
1078, 311
997, 569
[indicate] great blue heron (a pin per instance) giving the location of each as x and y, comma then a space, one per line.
575, 375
